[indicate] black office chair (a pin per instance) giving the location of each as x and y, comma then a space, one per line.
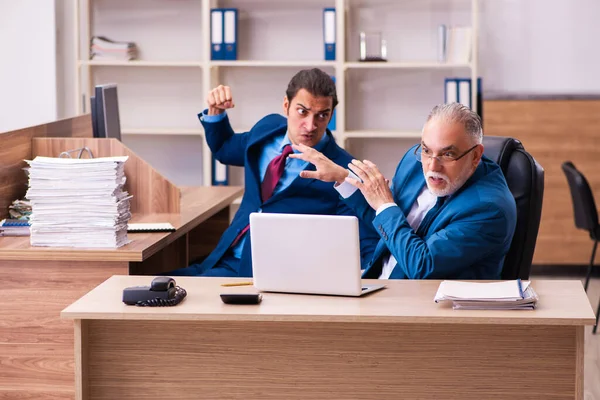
525, 178
586, 214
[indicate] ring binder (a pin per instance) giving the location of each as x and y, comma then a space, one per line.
216, 34
223, 33
220, 173
329, 33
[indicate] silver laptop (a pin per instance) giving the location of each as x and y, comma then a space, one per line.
314, 254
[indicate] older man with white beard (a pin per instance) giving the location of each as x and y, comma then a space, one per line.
448, 214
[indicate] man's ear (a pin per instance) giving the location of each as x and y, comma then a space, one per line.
478, 154
286, 105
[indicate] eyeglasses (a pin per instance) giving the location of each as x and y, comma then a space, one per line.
424, 155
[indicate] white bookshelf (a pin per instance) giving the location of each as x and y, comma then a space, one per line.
380, 134
138, 63
404, 65
272, 64
159, 131
382, 104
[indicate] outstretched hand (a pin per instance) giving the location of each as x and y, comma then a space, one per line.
327, 170
374, 187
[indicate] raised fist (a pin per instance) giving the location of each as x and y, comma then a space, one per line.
219, 99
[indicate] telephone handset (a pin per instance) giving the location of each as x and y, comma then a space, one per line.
161, 292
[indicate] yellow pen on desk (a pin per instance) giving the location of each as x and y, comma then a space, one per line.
238, 284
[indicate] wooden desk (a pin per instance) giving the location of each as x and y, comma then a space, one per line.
392, 344
36, 347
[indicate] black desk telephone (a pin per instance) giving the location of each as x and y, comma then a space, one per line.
161, 292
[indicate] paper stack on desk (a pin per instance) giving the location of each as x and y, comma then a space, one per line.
505, 295
78, 202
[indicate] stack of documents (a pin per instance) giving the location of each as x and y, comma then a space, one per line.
78, 202
506, 295
103, 48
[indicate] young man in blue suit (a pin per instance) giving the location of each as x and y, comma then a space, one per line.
308, 105
449, 213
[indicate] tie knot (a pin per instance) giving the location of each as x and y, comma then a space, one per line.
287, 150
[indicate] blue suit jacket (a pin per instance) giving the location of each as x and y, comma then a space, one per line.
467, 238
302, 196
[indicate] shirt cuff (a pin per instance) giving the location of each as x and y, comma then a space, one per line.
345, 189
385, 207
213, 118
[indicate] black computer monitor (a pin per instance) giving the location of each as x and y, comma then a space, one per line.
107, 111
94, 116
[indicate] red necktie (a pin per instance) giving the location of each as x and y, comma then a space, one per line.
272, 175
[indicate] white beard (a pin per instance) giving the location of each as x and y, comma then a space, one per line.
451, 187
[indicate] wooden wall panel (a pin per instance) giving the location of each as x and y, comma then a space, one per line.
15, 147
36, 345
554, 131
152, 192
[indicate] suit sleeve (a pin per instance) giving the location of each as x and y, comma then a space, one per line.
472, 236
227, 147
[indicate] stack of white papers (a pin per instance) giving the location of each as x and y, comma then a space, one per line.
103, 48
78, 202
506, 295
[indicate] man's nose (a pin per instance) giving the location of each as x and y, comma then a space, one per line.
310, 123
435, 164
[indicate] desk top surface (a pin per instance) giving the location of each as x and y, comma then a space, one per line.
561, 302
197, 205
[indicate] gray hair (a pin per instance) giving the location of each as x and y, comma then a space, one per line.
458, 113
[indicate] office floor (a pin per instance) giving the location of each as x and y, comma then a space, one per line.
592, 342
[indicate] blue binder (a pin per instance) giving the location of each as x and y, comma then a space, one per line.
329, 33
220, 173
450, 90
459, 90
217, 50
230, 32
331, 126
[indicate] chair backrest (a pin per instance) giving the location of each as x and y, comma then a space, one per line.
584, 205
525, 179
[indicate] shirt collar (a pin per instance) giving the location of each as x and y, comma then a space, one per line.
426, 197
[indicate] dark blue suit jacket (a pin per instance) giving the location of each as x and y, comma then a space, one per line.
302, 196
467, 238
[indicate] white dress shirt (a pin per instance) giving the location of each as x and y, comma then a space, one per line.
425, 202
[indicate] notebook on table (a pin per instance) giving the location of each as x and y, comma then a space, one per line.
14, 227
150, 227
502, 295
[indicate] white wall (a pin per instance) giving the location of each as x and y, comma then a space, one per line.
28, 83
540, 46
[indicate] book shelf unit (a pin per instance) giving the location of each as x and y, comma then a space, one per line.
382, 104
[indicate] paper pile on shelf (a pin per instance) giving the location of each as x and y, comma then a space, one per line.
78, 202
506, 295
20, 209
103, 48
